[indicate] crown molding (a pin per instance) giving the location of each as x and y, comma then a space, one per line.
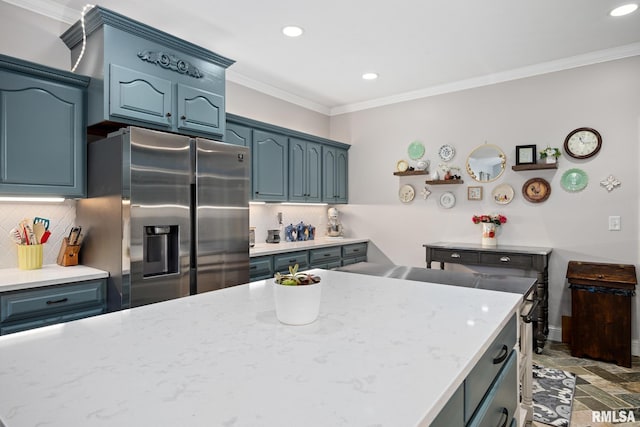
48, 8
590, 58
242, 80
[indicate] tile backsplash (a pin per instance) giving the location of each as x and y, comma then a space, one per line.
265, 217
62, 217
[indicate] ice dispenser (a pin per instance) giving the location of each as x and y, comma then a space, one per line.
160, 250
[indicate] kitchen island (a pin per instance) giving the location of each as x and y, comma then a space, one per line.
384, 351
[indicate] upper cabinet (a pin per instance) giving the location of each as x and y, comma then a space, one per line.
270, 154
145, 77
289, 165
305, 171
335, 163
42, 130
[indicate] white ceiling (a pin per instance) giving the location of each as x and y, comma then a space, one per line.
418, 47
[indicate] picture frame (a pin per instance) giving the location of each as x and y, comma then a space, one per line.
474, 193
526, 155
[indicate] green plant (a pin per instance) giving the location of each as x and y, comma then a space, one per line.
294, 278
555, 152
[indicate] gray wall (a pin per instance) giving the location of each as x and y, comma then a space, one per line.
539, 110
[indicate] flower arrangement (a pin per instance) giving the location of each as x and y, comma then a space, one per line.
496, 219
550, 152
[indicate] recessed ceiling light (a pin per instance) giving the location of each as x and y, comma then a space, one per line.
370, 76
292, 31
624, 9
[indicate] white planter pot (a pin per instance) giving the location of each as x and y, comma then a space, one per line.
489, 234
550, 159
297, 305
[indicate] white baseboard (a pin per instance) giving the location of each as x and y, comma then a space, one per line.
555, 334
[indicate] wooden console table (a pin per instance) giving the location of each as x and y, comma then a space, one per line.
503, 256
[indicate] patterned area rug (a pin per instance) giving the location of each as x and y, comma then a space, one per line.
552, 395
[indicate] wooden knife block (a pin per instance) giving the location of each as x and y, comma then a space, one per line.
68, 254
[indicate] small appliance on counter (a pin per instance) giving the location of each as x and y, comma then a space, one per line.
273, 236
252, 237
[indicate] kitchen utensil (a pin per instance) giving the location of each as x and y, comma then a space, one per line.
38, 230
74, 235
16, 236
43, 221
45, 237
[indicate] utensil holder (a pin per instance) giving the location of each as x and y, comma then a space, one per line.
29, 257
68, 254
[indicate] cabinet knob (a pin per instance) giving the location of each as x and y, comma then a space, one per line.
505, 259
455, 255
183, 117
168, 114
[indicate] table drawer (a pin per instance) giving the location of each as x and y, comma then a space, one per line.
499, 406
507, 260
324, 255
355, 250
455, 256
483, 374
38, 302
282, 262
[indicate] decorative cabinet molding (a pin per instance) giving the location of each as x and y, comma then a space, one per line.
145, 77
170, 62
47, 158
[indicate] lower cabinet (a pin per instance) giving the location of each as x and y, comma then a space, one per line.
489, 395
264, 267
32, 308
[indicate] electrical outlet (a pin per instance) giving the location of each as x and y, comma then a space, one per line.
614, 223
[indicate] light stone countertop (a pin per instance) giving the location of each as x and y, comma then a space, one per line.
12, 279
261, 249
384, 351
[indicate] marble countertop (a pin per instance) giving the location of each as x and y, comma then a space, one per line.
384, 351
12, 279
275, 248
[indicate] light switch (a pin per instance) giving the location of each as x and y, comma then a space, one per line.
614, 223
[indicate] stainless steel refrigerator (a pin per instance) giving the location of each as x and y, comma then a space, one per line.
167, 215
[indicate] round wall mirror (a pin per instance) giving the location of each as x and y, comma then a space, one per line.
486, 163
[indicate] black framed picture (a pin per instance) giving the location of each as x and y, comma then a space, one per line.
526, 154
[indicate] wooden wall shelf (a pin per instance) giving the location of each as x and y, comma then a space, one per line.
407, 173
444, 181
535, 166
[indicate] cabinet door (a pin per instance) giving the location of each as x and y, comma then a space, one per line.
341, 180
297, 170
329, 166
237, 135
139, 96
42, 137
314, 172
200, 110
270, 166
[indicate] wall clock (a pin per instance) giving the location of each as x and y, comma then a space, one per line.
536, 190
583, 143
406, 193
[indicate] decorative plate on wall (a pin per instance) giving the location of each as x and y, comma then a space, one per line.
536, 190
447, 200
402, 165
574, 180
406, 193
416, 150
503, 194
446, 152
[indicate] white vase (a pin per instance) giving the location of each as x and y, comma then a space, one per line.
297, 305
550, 159
489, 234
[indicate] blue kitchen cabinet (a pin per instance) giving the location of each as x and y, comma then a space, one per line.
334, 175
42, 130
238, 135
42, 306
270, 176
146, 77
305, 171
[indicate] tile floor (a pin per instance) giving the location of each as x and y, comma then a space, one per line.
600, 386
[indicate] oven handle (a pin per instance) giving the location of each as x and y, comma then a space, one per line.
526, 318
